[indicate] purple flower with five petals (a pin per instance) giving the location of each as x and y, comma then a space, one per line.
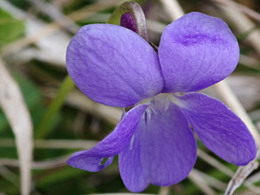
155, 139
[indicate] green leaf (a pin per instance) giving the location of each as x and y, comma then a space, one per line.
11, 28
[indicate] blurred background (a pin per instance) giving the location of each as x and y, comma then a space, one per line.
44, 118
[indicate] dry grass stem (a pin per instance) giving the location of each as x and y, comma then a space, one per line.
121, 194
201, 183
9, 175
249, 62
92, 9
155, 26
215, 163
83, 103
240, 176
14, 107
242, 24
65, 144
213, 182
254, 178
212, 161
54, 144
22, 43
54, 13
231, 100
48, 164
79, 100
164, 190
240, 7
172, 8
54, 26
40, 54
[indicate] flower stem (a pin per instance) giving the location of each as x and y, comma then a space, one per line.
45, 125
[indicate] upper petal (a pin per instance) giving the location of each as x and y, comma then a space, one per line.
113, 65
162, 150
91, 160
219, 128
195, 52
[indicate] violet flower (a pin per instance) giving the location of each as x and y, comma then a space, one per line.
155, 140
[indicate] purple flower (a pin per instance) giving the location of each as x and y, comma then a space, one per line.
155, 140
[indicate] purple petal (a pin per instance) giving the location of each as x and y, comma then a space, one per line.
161, 152
219, 128
91, 160
195, 52
113, 65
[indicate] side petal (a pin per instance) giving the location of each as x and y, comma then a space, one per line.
219, 128
91, 160
161, 152
113, 65
195, 52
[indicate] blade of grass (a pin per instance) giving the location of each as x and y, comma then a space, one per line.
45, 125
17, 113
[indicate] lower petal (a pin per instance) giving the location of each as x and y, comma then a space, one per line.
161, 152
219, 128
91, 160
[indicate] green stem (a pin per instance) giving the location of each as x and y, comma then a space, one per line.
45, 125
